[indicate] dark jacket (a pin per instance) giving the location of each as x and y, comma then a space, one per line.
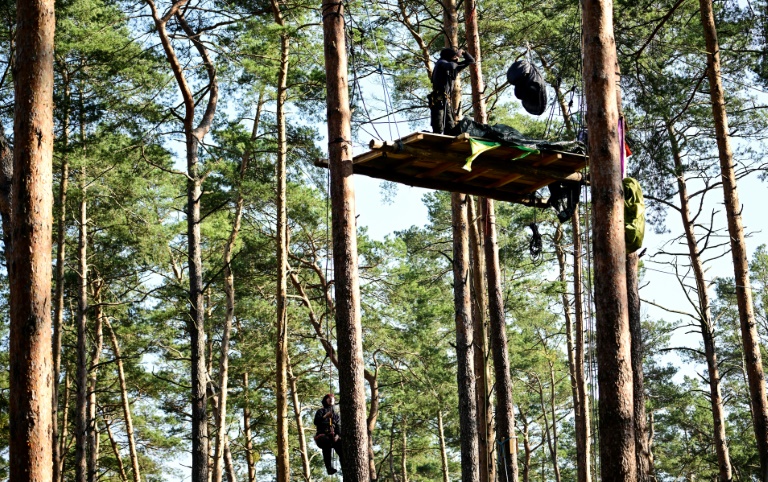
324, 424
446, 71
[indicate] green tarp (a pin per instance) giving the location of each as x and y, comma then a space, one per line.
634, 215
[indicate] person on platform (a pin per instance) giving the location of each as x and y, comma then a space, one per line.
443, 76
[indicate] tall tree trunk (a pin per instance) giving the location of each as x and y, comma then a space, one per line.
307, 471
443, 450
617, 438
642, 454
505, 411
98, 343
81, 408
249, 462
58, 314
479, 304
705, 316
116, 451
229, 464
64, 428
30, 456
348, 325
194, 135
125, 402
582, 417
527, 451
404, 453
229, 291
281, 348
749, 336
551, 435
569, 332
470, 464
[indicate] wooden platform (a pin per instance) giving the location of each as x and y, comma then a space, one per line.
435, 161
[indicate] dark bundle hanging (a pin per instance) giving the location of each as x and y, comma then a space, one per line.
564, 197
529, 86
534, 246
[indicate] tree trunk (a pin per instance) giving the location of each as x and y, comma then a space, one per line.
617, 439
229, 464
116, 451
582, 417
479, 304
307, 471
125, 403
527, 451
247, 432
64, 429
749, 336
505, 412
470, 464
348, 325
404, 453
281, 348
569, 335
58, 315
705, 317
98, 343
551, 436
81, 409
641, 439
193, 137
30, 452
443, 450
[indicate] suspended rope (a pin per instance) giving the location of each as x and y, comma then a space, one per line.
389, 109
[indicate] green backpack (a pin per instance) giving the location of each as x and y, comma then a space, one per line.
634, 215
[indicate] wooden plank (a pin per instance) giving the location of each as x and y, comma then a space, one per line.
366, 156
505, 180
441, 168
473, 175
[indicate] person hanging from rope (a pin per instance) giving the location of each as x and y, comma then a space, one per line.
445, 72
328, 436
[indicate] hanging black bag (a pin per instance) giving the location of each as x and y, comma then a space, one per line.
529, 86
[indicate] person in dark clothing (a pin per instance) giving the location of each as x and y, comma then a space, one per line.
445, 72
328, 436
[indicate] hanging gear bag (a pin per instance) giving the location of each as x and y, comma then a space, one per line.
529, 86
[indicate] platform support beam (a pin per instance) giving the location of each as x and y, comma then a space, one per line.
346, 283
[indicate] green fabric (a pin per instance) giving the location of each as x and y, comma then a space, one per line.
478, 147
634, 214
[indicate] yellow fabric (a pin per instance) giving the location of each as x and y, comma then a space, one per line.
478, 147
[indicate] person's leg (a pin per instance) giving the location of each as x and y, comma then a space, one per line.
437, 119
339, 452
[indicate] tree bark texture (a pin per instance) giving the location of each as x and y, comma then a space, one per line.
193, 137
616, 411
465, 374
443, 449
58, 313
248, 443
125, 402
642, 454
348, 324
81, 407
98, 343
749, 336
582, 416
479, 306
281, 347
505, 411
306, 469
31, 380
705, 316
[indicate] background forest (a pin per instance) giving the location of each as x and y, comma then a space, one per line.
167, 247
